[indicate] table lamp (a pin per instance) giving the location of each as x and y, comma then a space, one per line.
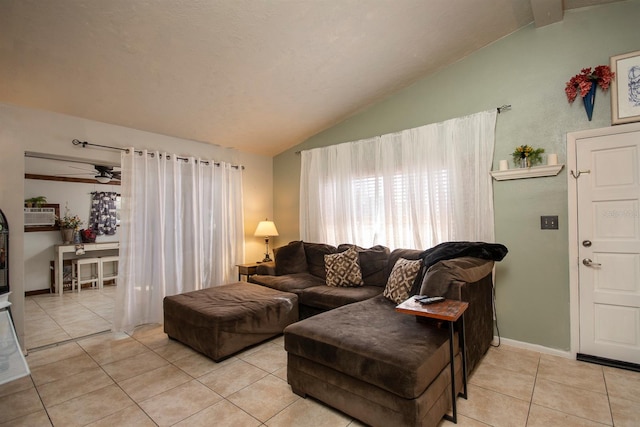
266, 229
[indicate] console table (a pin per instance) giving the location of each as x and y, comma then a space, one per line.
60, 250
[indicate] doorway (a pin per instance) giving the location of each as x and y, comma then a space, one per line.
604, 244
49, 318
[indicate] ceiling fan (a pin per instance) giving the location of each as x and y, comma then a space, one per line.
106, 174
102, 174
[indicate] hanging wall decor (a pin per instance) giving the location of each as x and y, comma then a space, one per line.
625, 91
586, 83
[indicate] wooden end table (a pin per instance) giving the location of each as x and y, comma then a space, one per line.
247, 270
450, 311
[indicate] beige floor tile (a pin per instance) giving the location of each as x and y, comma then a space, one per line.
574, 373
134, 365
462, 422
82, 328
225, 413
264, 398
107, 313
625, 412
174, 350
279, 340
69, 387
62, 369
268, 357
90, 407
36, 321
53, 354
623, 383
250, 350
108, 348
493, 408
540, 416
130, 416
71, 314
46, 338
154, 382
580, 403
151, 335
19, 404
309, 413
513, 359
35, 419
15, 386
510, 382
179, 403
281, 373
232, 377
198, 364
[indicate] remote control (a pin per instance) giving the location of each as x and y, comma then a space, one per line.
429, 300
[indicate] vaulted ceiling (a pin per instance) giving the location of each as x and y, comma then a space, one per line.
259, 76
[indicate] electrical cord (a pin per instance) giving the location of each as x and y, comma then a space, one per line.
495, 315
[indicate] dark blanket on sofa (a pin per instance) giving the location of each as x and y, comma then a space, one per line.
450, 250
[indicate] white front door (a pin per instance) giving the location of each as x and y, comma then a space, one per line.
608, 245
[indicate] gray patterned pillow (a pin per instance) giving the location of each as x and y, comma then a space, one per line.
401, 279
343, 269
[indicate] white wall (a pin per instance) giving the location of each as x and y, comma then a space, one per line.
23, 129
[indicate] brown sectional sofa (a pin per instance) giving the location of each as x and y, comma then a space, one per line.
362, 357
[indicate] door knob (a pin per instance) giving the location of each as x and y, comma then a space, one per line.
590, 263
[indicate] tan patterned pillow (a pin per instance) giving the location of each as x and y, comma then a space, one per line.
343, 269
401, 279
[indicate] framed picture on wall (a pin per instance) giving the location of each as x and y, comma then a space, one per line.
625, 88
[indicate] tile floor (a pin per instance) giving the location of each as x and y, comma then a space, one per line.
145, 379
50, 318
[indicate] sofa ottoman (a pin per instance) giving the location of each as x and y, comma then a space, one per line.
223, 320
373, 363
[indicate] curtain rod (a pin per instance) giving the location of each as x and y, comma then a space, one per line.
500, 109
85, 143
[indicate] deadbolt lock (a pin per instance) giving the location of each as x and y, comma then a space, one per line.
586, 243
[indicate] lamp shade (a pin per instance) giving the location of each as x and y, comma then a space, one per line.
266, 229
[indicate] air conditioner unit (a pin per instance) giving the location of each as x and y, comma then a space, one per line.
39, 216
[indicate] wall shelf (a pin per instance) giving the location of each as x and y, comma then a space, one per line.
533, 172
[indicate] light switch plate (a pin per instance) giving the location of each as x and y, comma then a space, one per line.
549, 222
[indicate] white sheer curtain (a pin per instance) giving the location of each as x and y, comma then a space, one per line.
181, 230
410, 189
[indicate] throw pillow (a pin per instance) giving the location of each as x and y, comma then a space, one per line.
343, 269
290, 259
373, 263
401, 279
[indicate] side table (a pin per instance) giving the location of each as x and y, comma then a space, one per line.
247, 270
450, 311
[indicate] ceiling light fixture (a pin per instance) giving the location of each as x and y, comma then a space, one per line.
103, 179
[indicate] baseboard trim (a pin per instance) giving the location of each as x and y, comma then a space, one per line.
37, 292
534, 347
608, 362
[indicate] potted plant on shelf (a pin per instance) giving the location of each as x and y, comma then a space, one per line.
526, 156
68, 224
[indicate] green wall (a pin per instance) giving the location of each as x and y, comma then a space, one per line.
527, 69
